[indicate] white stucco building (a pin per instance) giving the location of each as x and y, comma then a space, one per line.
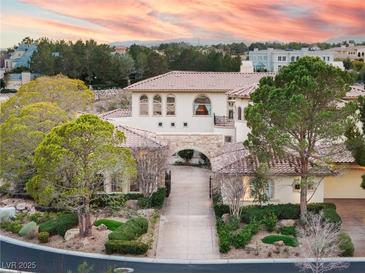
204, 111
274, 59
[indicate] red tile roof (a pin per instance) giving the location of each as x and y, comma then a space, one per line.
198, 81
116, 113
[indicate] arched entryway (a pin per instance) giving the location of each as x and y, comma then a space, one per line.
187, 224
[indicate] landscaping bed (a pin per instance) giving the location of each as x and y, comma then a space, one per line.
60, 229
269, 231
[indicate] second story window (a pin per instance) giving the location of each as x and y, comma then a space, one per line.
157, 105
143, 105
170, 105
239, 113
202, 105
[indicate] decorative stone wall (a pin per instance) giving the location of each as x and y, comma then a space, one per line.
207, 143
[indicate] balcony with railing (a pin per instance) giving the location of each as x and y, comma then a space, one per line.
223, 121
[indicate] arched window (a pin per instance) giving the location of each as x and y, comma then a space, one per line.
202, 105
143, 105
170, 105
239, 113
157, 105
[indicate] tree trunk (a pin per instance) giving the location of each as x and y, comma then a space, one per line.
85, 223
303, 198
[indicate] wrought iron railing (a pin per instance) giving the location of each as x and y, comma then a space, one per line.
223, 121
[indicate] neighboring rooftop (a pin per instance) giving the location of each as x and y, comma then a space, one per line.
356, 91
190, 81
116, 113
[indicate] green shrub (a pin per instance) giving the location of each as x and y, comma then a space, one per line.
186, 154
288, 240
288, 230
345, 245
286, 211
126, 247
41, 217
28, 229
318, 207
110, 224
132, 196
60, 224
144, 202
220, 209
224, 237
330, 215
270, 221
108, 200
11, 226
130, 230
43, 237
158, 198
233, 223
244, 237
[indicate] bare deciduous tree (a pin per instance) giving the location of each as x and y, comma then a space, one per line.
320, 241
151, 164
232, 189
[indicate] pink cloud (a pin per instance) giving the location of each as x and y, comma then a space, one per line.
303, 20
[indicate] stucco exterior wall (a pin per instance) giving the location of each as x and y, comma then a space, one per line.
184, 113
346, 185
241, 125
283, 191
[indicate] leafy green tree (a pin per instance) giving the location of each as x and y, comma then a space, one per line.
70, 95
296, 112
355, 137
186, 154
20, 135
260, 185
69, 162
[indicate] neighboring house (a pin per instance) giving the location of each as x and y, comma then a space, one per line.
274, 59
204, 111
120, 49
20, 57
352, 52
16, 80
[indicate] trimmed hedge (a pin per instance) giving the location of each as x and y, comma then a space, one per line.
345, 245
60, 224
288, 240
288, 230
110, 224
130, 230
224, 237
155, 201
125, 247
330, 215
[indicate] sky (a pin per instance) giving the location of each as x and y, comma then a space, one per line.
108, 21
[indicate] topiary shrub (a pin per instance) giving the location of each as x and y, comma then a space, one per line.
186, 154
345, 245
126, 247
110, 224
130, 230
158, 198
43, 237
288, 240
270, 221
60, 224
28, 230
288, 230
330, 215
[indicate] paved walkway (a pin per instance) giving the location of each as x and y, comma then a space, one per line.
352, 212
187, 224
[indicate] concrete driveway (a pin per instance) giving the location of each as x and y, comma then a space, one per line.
187, 224
352, 212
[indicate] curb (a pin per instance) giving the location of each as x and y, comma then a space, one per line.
167, 261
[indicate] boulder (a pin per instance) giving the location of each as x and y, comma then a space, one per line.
288, 222
21, 206
7, 213
133, 204
279, 243
102, 227
29, 230
225, 217
71, 233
